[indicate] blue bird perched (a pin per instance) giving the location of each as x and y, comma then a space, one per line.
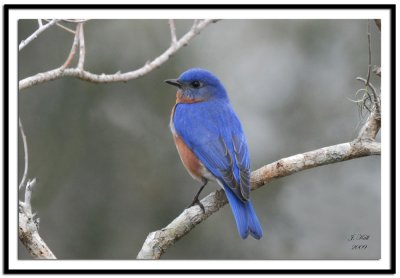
211, 143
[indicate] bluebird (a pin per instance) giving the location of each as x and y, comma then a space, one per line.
211, 144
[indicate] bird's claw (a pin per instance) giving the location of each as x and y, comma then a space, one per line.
197, 202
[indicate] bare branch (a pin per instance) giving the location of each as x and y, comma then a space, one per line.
377, 101
195, 23
366, 100
173, 31
76, 20
371, 127
73, 49
36, 34
369, 52
118, 77
28, 231
328, 155
21, 128
82, 50
159, 241
62, 27
28, 226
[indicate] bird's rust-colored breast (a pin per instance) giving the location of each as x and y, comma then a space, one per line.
189, 159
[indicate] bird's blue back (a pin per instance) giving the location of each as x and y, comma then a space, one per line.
202, 125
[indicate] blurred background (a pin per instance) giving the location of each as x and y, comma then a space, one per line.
107, 168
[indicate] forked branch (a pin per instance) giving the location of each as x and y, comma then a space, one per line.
82, 74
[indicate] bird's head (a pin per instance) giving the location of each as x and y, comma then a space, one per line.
196, 85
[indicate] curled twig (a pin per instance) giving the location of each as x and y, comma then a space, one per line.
366, 101
376, 102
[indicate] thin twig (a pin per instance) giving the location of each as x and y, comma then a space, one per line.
366, 101
76, 20
73, 49
118, 77
82, 50
369, 51
36, 34
374, 93
171, 23
21, 128
63, 27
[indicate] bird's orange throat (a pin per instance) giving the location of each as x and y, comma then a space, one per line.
180, 98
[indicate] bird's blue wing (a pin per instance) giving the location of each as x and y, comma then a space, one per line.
214, 133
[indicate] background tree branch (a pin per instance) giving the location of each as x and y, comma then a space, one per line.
28, 227
35, 34
82, 74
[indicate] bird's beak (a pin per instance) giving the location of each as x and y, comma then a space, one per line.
174, 82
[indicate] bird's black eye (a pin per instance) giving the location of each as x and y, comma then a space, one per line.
195, 84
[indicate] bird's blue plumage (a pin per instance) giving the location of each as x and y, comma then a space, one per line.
212, 131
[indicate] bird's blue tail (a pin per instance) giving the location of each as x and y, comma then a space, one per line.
245, 216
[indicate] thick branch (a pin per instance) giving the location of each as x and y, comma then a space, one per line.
117, 77
371, 127
158, 242
28, 231
328, 155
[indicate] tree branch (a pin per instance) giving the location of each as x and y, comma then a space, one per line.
82, 50
158, 242
21, 128
28, 228
173, 31
35, 34
73, 49
117, 77
320, 157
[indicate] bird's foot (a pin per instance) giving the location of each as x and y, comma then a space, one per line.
196, 201
196, 197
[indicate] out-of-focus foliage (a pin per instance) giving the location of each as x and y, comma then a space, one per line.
108, 170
